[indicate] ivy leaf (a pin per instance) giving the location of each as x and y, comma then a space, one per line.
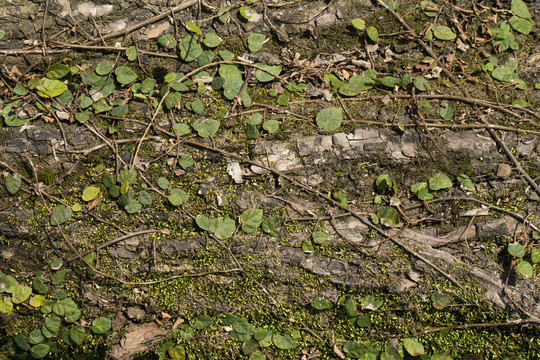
203, 321
20, 294
132, 206
355, 85
283, 342
131, 53
371, 302
172, 99
177, 197
319, 237
440, 301
269, 226
163, 182
516, 249
77, 334
40, 351
271, 126
211, 40
358, 23
355, 350
243, 11
182, 129
193, 28
523, 26
90, 193
535, 255
104, 67
466, 181
421, 83
263, 76
206, 127
186, 161
225, 228
190, 49
57, 71
329, 118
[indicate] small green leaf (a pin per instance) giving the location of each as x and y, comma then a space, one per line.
535, 255
271, 126
211, 40
177, 197
257, 355
172, 99
85, 101
167, 41
57, 71
101, 325
390, 353
389, 214
206, 127
429, 8
193, 28
125, 75
190, 49
48, 88
40, 351
251, 219
186, 161
439, 181
6, 306
62, 214
90, 193
516, 249
356, 85
339, 196
203, 321
77, 334
36, 301
283, 342
440, 301
263, 76
383, 182
269, 226
129, 176
390, 81
120, 111
182, 129
421, 83
243, 11
373, 33
329, 118
256, 42
371, 302
392, 4
525, 269
20, 294
466, 181
283, 100
443, 33
163, 183
2, 34
523, 26
447, 113
520, 9
225, 228
56, 264
132, 206
355, 350
321, 304
35, 337
104, 67
20, 90
364, 321
131, 53
58, 277
13, 183
413, 347
144, 198
197, 106
319, 237
226, 55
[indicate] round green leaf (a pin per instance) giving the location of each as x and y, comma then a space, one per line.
249, 347
373, 33
20, 90
56, 263
329, 118
101, 325
129, 176
443, 32
230, 71
120, 110
189, 48
358, 23
172, 99
131, 53
256, 42
90, 193
355, 85
447, 113
440, 301
206, 127
144, 198
203, 321
182, 129
163, 183
197, 106
148, 85
523, 26
20, 294
35, 337
251, 219
364, 321
439, 181
413, 347
13, 183
535, 255
283, 342
177, 197
321, 304
421, 83
520, 9
271, 126
40, 351
186, 161
263, 76
225, 228
257, 355
193, 28
104, 67
167, 41
354, 349
77, 334
371, 302
211, 40
205, 58
53, 323
125, 75
133, 206
48, 88
466, 182
516, 249
6, 306
389, 214
58, 277
36, 301
62, 214
57, 71
319, 237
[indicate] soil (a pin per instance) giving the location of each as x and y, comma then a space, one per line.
327, 271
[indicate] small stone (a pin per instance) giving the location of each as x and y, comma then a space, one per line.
504, 171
